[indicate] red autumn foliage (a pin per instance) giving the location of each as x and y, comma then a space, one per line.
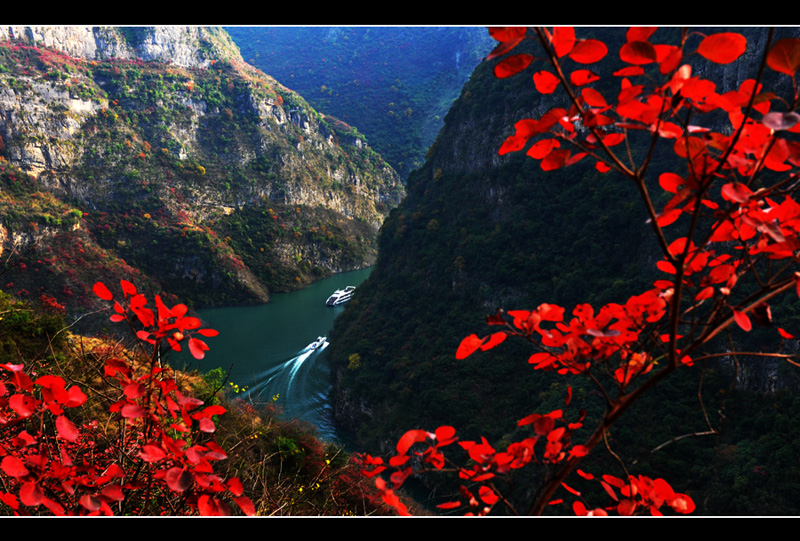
730, 218
159, 462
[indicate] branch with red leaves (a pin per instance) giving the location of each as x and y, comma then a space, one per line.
729, 235
158, 462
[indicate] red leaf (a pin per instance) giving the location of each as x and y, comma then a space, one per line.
507, 33
178, 479
211, 507
91, 502
23, 405
13, 466
102, 291
671, 182
582, 77
640, 33
629, 71
235, 486
133, 411
563, 40
669, 57
668, 217
722, 48
638, 52
246, 505
682, 503
113, 492
785, 334
30, 494
500, 50
488, 495
742, 320
468, 346
151, 453
593, 97
127, 287
543, 425
626, 507
570, 489
579, 451
512, 65
207, 425
445, 435
494, 340
555, 159
197, 348
785, 56
704, 294
410, 438
545, 82
66, 428
134, 390
10, 500
602, 167
541, 149
588, 51
736, 192
208, 332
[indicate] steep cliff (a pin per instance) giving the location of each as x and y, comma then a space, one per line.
165, 152
476, 232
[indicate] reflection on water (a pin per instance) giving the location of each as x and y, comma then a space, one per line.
270, 349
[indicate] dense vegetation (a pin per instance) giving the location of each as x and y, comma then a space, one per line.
281, 467
394, 84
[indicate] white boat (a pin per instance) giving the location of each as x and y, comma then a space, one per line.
340, 296
319, 342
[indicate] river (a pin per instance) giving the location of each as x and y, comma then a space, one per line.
267, 349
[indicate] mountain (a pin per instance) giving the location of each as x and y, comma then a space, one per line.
394, 83
476, 232
158, 154
479, 231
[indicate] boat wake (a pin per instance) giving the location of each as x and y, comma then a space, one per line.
278, 380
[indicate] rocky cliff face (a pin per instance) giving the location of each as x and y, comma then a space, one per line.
158, 135
185, 46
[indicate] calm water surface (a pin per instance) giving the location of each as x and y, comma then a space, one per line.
266, 349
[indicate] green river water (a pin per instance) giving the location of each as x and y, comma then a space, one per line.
266, 349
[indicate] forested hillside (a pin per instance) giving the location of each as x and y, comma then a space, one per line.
477, 232
395, 84
191, 170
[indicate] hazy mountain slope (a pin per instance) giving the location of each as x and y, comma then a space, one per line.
394, 83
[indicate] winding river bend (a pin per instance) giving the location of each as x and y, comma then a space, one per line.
268, 349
